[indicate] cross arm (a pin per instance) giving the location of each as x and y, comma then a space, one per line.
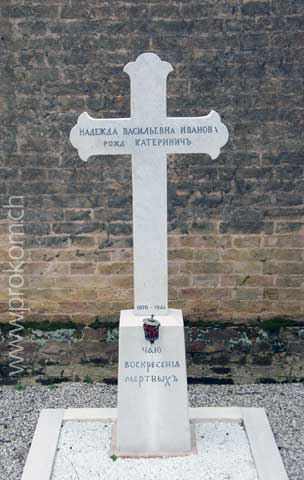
99, 136
205, 134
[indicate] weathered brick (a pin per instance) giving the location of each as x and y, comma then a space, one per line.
247, 280
243, 255
200, 268
122, 281
114, 268
83, 242
46, 268
180, 281
283, 241
289, 281
247, 268
181, 254
292, 268
77, 215
25, 11
248, 294
246, 222
205, 293
250, 241
80, 281
206, 255
288, 227
288, 294
256, 8
206, 280
82, 268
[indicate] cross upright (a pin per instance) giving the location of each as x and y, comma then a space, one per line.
149, 135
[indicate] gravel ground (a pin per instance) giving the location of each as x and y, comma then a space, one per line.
19, 411
223, 453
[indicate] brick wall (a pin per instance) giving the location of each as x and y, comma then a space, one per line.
235, 224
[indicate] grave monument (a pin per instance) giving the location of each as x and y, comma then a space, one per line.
152, 381
153, 418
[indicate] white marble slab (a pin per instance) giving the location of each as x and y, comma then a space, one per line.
40, 460
264, 450
152, 387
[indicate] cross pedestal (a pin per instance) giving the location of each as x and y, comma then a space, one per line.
152, 384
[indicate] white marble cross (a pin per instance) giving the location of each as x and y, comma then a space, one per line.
149, 135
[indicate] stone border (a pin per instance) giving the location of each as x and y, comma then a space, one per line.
41, 457
263, 447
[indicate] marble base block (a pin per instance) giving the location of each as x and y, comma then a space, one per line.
153, 414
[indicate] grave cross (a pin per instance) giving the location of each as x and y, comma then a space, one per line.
149, 135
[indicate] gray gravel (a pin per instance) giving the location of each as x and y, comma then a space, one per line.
19, 412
